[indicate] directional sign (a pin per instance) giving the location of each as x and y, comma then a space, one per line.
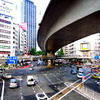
12, 60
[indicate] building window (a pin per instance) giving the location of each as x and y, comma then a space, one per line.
4, 47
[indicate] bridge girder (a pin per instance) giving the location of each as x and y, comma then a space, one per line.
66, 21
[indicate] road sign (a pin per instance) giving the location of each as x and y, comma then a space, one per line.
12, 60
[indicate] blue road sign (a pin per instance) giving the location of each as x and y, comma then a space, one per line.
12, 60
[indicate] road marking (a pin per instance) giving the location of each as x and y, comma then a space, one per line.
33, 90
2, 93
57, 78
40, 88
48, 79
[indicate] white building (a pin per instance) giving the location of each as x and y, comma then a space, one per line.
88, 47
13, 39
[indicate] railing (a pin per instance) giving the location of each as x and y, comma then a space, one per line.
90, 93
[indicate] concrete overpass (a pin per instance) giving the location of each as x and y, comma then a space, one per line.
66, 21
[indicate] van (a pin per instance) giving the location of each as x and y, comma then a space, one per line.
30, 80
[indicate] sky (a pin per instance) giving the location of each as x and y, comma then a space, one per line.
41, 7
40, 4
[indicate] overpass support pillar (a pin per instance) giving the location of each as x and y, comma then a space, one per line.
50, 62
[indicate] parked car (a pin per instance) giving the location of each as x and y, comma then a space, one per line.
73, 71
41, 96
30, 80
13, 83
96, 75
80, 75
7, 76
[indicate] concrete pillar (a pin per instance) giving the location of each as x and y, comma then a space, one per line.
50, 61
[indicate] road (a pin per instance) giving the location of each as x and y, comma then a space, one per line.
49, 81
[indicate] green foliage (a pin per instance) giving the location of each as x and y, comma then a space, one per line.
60, 52
40, 53
33, 52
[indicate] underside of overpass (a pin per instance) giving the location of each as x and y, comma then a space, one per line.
66, 21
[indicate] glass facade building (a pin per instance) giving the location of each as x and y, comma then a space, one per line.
28, 15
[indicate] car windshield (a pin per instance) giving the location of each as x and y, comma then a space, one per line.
81, 74
13, 81
30, 80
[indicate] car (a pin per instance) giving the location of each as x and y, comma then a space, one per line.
2, 70
80, 70
31, 68
73, 71
30, 80
41, 96
96, 75
13, 83
80, 75
7, 76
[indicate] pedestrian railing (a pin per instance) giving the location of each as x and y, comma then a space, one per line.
89, 92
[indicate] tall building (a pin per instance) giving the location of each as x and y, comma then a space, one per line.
13, 40
28, 15
85, 48
7, 40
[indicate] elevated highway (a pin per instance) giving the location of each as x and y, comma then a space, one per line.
66, 21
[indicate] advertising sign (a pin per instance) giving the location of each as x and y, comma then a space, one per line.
6, 7
84, 46
23, 26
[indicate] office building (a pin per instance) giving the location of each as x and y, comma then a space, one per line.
85, 48
28, 15
10, 34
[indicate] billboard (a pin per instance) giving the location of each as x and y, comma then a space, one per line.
6, 7
84, 46
23, 26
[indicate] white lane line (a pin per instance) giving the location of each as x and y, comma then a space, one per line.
33, 90
2, 93
40, 88
48, 79
56, 77
20, 79
42, 91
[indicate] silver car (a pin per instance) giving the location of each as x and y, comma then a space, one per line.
13, 83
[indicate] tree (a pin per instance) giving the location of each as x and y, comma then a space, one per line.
40, 53
60, 52
33, 52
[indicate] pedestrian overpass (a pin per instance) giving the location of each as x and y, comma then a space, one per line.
66, 21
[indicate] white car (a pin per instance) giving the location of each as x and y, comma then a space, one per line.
31, 68
80, 75
30, 80
13, 83
41, 96
7, 76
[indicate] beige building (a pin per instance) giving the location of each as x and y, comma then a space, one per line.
88, 47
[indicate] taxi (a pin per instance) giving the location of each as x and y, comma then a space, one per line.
96, 75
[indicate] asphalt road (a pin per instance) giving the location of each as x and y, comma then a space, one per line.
49, 81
